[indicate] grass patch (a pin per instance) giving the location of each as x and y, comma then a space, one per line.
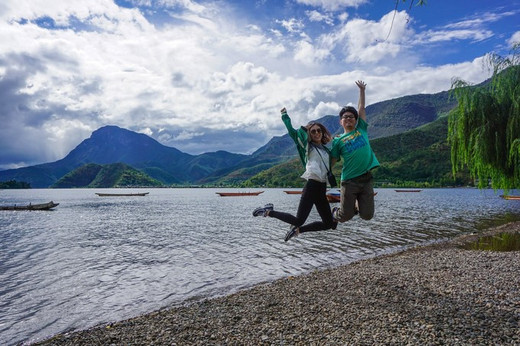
498, 242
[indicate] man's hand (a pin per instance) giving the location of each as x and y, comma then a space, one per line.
361, 85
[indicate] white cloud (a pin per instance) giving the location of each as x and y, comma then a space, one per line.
292, 25
366, 41
450, 35
332, 5
315, 16
198, 76
310, 54
515, 39
187, 135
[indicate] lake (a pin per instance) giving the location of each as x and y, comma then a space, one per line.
100, 259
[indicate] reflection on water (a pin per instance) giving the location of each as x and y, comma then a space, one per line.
99, 259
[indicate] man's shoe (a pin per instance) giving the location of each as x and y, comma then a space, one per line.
335, 217
293, 232
262, 211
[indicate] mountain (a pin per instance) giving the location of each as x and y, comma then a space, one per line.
105, 176
111, 144
409, 112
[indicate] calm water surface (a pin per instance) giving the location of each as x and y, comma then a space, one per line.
100, 259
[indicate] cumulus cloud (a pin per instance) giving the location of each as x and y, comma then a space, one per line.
189, 74
315, 16
515, 39
332, 5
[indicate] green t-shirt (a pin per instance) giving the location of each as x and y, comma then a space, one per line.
354, 148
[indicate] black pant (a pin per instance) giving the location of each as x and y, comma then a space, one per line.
314, 193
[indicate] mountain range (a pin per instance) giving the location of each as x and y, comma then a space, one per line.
170, 166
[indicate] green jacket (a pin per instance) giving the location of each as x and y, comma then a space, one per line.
301, 139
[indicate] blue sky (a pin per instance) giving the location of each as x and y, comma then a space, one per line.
203, 76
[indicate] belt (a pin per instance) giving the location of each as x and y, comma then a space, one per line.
363, 178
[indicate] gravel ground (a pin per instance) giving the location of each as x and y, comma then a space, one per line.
433, 295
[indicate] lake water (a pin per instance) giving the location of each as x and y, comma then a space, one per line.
100, 259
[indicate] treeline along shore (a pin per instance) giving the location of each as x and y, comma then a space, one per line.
439, 294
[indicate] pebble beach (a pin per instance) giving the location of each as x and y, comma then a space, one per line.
439, 294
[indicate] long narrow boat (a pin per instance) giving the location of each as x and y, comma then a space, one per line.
335, 197
30, 206
407, 190
233, 194
121, 194
511, 197
293, 192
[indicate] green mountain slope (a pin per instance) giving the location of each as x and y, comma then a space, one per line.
105, 176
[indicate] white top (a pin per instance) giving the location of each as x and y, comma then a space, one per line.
315, 168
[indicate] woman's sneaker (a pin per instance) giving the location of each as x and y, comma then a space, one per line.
262, 211
293, 232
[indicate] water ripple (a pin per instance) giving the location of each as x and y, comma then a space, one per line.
96, 260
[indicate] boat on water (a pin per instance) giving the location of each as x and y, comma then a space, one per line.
511, 197
233, 194
121, 194
30, 206
293, 192
408, 190
335, 197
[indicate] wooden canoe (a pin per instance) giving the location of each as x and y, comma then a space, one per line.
233, 194
335, 197
121, 194
30, 206
511, 197
293, 192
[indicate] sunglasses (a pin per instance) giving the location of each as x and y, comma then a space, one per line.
348, 116
314, 131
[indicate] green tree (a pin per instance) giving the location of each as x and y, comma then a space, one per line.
484, 131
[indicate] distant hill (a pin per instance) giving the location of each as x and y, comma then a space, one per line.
399, 115
111, 144
105, 176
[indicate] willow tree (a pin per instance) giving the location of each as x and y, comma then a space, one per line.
484, 130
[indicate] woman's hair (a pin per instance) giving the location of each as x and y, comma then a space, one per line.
325, 134
348, 109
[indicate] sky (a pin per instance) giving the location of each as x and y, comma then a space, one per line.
203, 76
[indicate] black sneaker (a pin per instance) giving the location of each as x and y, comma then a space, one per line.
293, 232
262, 211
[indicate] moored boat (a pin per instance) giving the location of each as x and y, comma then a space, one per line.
335, 197
293, 192
121, 194
511, 197
233, 194
408, 190
30, 206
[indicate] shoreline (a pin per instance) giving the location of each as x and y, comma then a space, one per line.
431, 294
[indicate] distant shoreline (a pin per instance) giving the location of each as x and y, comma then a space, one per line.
436, 293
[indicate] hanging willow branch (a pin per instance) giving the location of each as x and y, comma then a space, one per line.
484, 130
